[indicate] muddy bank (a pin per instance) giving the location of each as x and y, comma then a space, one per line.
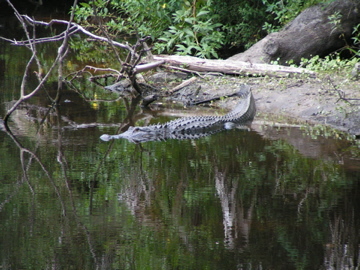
327, 99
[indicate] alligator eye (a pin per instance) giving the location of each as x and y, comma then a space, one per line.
136, 129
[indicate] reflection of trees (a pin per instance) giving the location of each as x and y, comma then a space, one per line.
140, 192
137, 194
343, 249
341, 252
67, 214
330, 146
291, 195
236, 220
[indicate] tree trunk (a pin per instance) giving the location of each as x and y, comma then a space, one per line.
318, 30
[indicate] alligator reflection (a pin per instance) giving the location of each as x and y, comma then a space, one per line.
194, 127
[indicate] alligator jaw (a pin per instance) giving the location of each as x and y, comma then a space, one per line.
141, 134
133, 134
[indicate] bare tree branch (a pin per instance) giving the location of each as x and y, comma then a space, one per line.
130, 67
72, 30
62, 50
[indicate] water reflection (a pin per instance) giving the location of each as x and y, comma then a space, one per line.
236, 219
269, 198
177, 204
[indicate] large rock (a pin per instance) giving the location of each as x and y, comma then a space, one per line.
318, 30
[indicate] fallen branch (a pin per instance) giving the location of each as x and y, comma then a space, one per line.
146, 67
182, 85
213, 99
184, 70
231, 67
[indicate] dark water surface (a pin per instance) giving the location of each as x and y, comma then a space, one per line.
269, 198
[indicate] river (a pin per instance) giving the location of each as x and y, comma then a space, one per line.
267, 198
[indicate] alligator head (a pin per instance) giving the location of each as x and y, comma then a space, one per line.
137, 134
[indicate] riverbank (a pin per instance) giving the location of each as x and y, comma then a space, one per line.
331, 100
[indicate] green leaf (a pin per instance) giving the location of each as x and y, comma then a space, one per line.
85, 5
190, 20
202, 12
189, 32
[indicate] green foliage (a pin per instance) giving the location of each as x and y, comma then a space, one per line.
245, 22
184, 28
331, 62
242, 21
193, 32
355, 49
197, 27
284, 11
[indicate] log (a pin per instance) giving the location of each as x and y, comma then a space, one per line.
231, 67
148, 66
318, 30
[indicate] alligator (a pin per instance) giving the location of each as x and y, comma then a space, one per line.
195, 126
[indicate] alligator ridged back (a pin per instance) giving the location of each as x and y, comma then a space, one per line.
245, 110
243, 113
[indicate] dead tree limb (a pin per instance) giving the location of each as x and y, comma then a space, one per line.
213, 99
62, 51
74, 28
130, 66
231, 67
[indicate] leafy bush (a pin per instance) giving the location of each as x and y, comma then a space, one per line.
193, 32
355, 48
330, 63
182, 27
242, 21
192, 27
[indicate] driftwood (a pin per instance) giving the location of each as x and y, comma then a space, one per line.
231, 67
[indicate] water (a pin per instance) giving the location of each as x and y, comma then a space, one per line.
269, 198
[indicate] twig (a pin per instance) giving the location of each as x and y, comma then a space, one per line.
74, 26
58, 37
77, 73
341, 93
213, 99
185, 70
111, 42
62, 52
